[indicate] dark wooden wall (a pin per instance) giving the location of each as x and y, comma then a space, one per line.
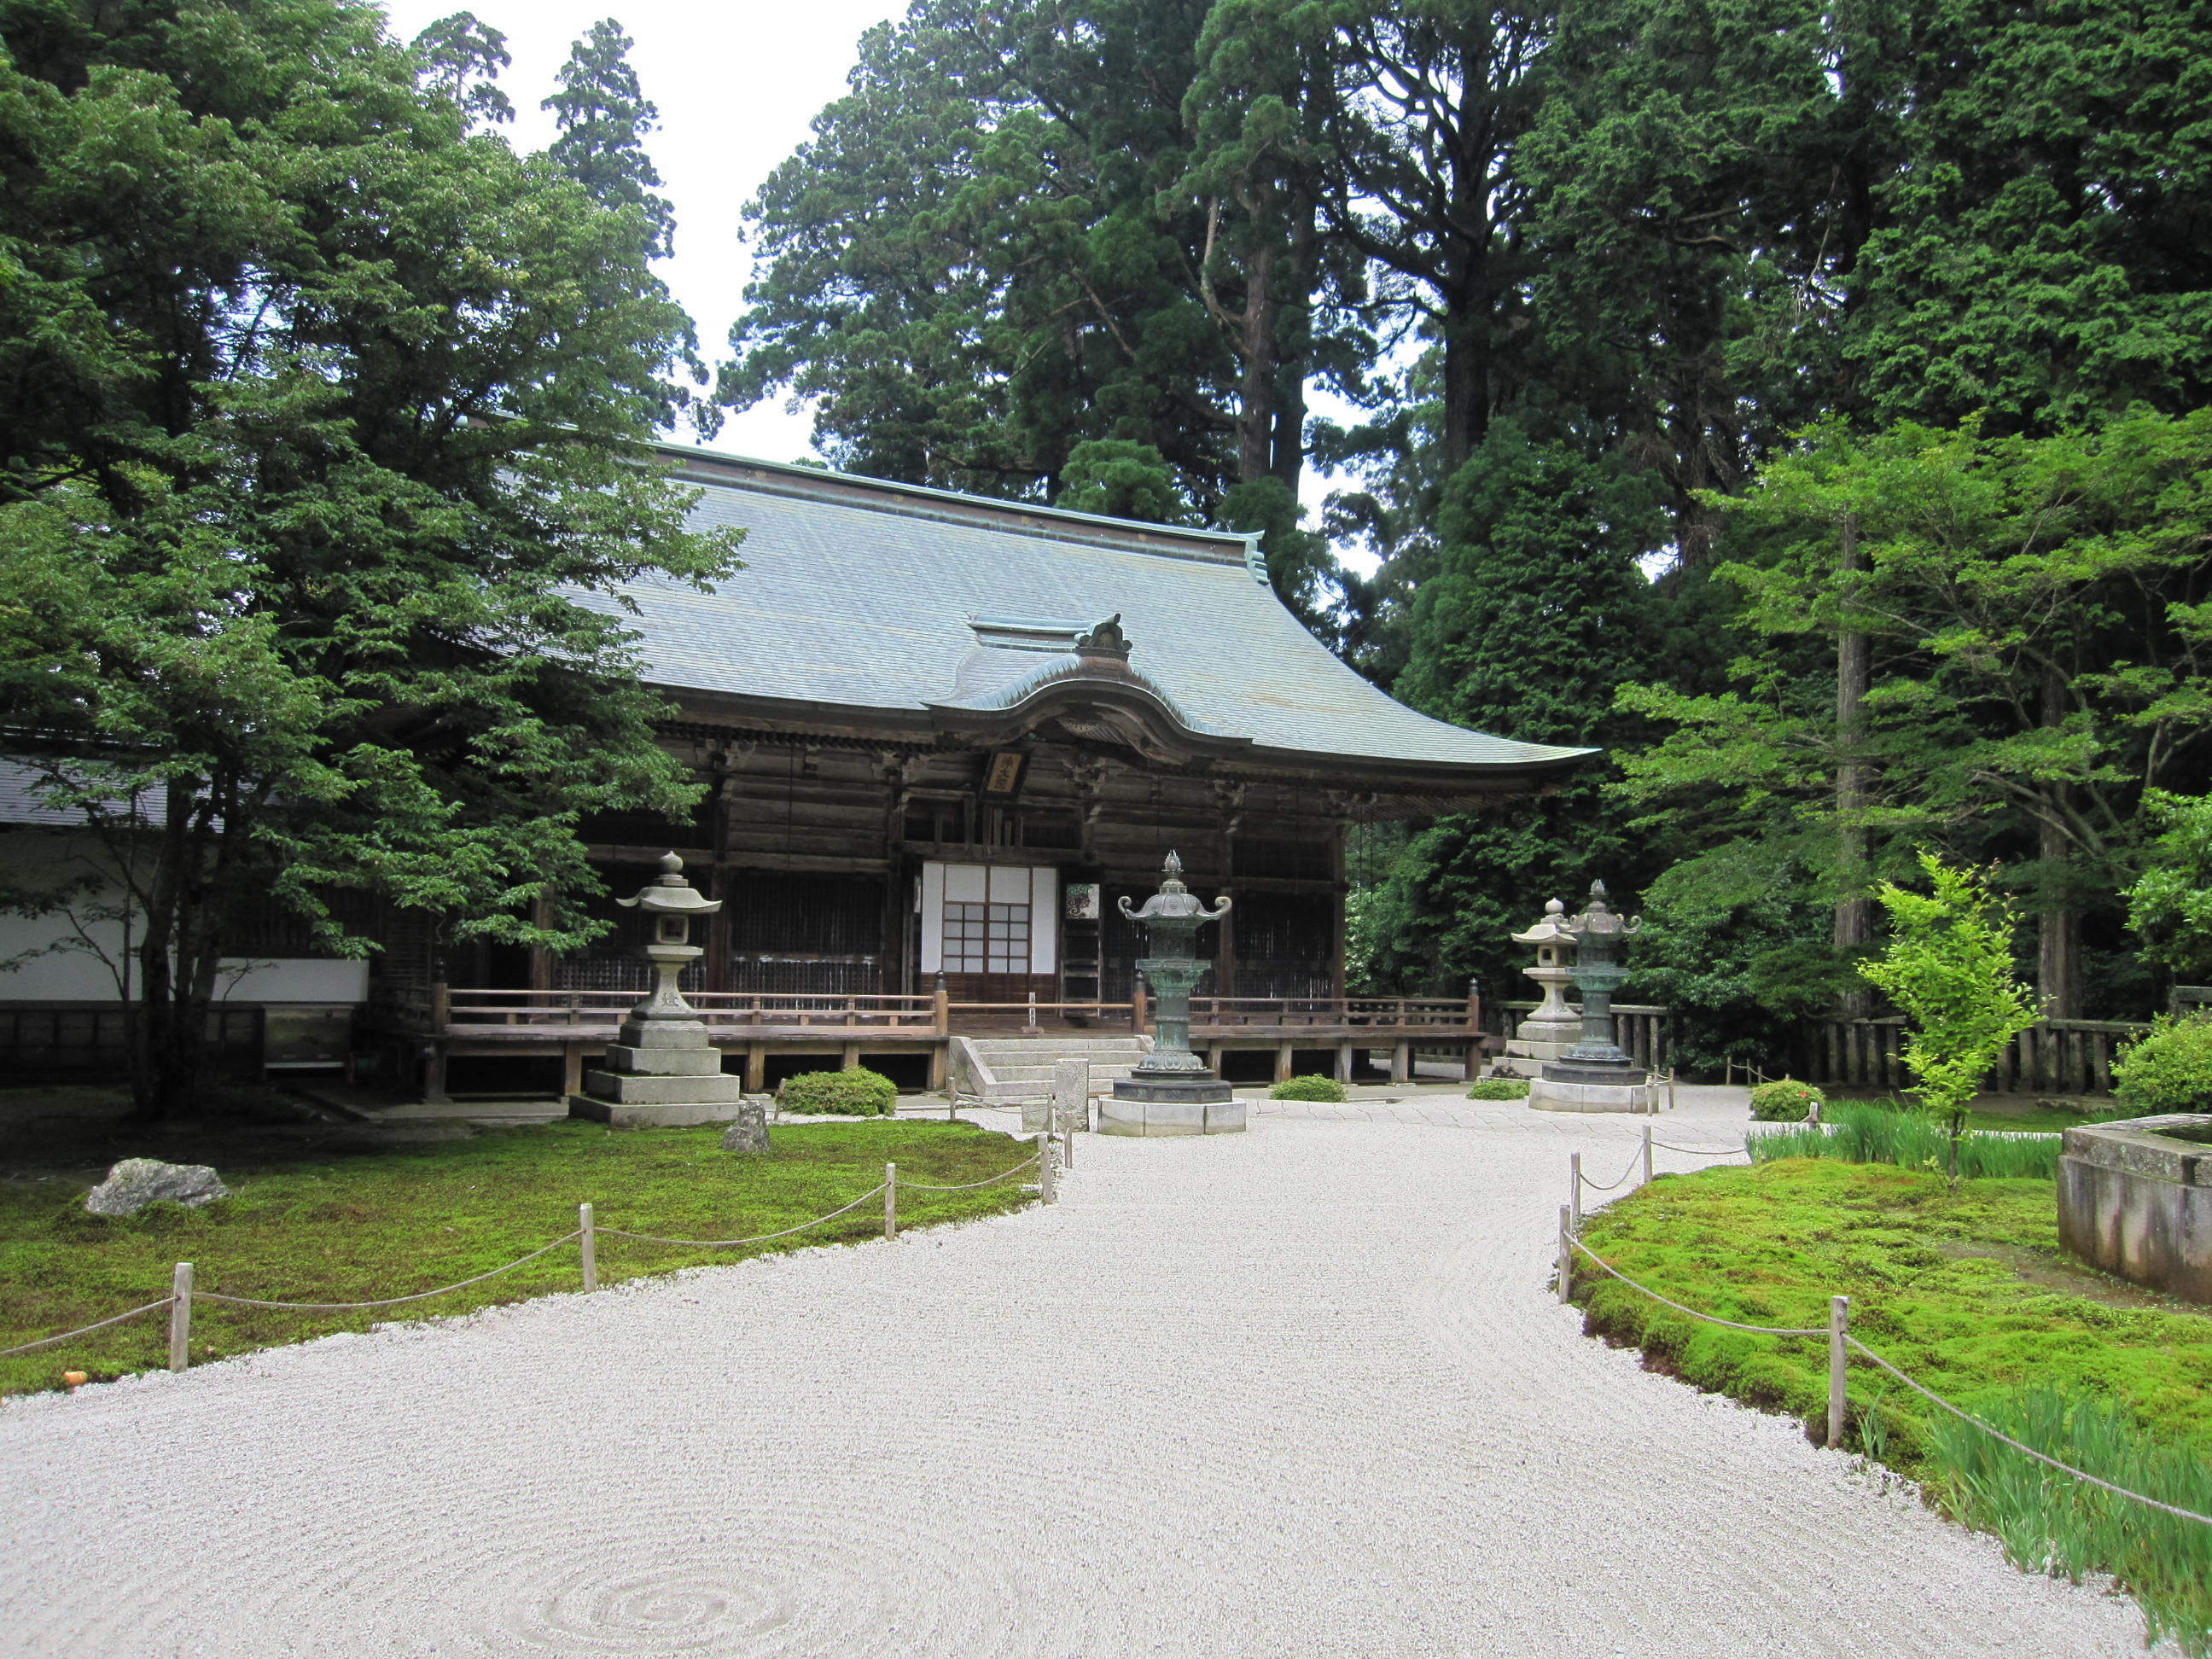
815, 846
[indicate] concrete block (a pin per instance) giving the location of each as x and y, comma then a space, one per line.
664, 1062
615, 1114
625, 1090
663, 1033
1547, 1096
1071, 1095
1225, 1117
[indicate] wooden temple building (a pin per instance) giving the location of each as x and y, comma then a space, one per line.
942, 735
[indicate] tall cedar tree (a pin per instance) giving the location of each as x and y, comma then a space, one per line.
1536, 611
1007, 241
322, 452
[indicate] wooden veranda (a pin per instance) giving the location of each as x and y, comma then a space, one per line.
442, 1023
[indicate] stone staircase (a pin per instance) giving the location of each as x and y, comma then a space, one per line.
1016, 1070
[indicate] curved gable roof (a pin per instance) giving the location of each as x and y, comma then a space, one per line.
863, 595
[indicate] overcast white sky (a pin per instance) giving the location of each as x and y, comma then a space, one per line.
737, 85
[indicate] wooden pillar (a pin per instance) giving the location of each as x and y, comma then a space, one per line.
936, 1064
848, 1058
1139, 1014
1401, 1062
1336, 980
434, 1073
755, 1069
572, 1068
1284, 1061
941, 1000
1344, 1062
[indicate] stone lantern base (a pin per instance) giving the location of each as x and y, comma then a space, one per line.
1590, 1086
1165, 1104
662, 1074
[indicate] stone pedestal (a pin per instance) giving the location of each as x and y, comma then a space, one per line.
1629, 1091
1156, 1104
661, 1072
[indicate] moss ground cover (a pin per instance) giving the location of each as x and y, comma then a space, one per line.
1941, 1281
350, 1226
1964, 1288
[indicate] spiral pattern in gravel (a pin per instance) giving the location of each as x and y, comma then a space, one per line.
1301, 1392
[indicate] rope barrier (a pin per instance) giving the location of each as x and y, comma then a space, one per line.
1606, 1188
965, 1186
47, 1341
1921, 1388
1710, 1319
587, 1233
2040, 1457
389, 1301
875, 1191
1703, 1151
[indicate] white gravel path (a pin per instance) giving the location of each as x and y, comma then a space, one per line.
1298, 1392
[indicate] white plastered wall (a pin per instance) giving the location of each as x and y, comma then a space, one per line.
73, 974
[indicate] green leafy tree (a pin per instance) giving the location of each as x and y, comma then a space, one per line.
2169, 905
603, 116
1122, 480
1949, 967
2036, 250
322, 452
1536, 611
2035, 611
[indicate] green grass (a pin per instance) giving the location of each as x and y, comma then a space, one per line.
339, 1227
2032, 1113
2051, 1523
1963, 1287
1861, 1131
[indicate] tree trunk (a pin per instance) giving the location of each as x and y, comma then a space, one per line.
1853, 678
1255, 415
2058, 926
178, 961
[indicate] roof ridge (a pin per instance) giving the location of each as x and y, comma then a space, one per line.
1223, 547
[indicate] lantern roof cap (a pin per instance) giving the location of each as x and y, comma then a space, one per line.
1598, 918
669, 894
1552, 930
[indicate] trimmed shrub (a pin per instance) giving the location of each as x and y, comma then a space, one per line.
1785, 1100
2168, 1068
1498, 1088
857, 1093
1311, 1087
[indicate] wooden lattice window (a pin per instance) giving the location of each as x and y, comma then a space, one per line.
987, 939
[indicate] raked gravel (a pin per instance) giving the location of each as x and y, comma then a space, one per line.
1302, 1391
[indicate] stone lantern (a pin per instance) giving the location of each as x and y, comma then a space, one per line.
1554, 1027
1171, 1091
1594, 1075
661, 1069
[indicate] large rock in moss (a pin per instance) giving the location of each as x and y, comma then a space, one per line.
135, 1182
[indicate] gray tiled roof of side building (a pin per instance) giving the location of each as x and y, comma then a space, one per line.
859, 594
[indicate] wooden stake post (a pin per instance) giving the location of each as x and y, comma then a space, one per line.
180, 1317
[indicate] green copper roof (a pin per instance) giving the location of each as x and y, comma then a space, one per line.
876, 596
